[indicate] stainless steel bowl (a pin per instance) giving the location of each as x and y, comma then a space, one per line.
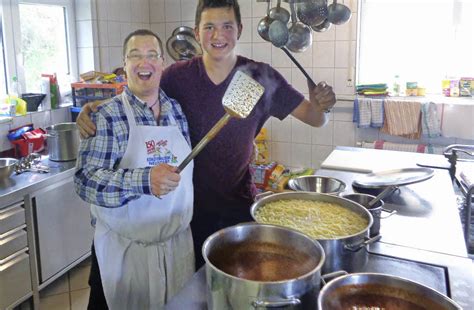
7, 166
317, 184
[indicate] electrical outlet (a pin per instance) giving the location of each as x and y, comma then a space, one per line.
349, 83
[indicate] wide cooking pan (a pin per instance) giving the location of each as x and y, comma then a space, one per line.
381, 291
342, 253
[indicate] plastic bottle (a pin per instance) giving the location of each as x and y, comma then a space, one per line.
14, 94
396, 86
46, 89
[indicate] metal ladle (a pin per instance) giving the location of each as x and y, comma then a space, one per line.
264, 24
338, 14
386, 192
300, 35
323, 27
279, 13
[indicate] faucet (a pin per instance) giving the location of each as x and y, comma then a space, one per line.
451, 153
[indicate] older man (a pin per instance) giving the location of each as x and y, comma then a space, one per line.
141, 206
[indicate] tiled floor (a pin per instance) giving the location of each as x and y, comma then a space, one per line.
70, 292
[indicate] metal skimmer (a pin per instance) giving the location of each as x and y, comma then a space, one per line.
239, 99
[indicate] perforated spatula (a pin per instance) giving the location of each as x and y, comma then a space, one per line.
239, 99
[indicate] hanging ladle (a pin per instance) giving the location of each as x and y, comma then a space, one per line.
264, 24
300, 35
338, 14
279, 13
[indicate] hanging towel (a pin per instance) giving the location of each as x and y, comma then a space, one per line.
430, 124
402, 118
361, 113
404, 147
377, 113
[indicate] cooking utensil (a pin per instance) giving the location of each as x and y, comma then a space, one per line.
183, 46
338, 14
396, 177
239, 99
385, 193
380, 291
183, 30
63, 141
342, 253
317, 184
312, 12
325, 25
376, 209
7, 166
279, 13
252, 265
299, 35
263, 26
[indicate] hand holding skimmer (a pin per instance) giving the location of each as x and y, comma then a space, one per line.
239, 99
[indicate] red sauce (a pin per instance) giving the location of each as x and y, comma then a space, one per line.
260, 261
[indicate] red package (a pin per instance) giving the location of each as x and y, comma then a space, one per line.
30, 142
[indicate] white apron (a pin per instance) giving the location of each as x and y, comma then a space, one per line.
145, 249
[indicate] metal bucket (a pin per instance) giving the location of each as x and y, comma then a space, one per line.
63, 141
343, 253
253, 265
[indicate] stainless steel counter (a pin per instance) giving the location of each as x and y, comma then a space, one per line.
424, 237
17, 185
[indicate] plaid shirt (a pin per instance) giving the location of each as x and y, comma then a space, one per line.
98, 180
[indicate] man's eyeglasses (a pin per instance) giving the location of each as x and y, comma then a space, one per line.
139, 57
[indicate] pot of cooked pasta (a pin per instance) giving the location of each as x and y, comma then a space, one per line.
253, 265
339, 224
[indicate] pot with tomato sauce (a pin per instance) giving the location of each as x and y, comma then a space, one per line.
381, 292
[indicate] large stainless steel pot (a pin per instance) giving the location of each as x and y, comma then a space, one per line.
253, 265
344, 253
380, 291
63, 141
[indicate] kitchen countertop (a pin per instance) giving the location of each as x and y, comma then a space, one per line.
426, 230
14, 187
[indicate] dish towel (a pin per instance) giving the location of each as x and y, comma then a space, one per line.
361, 113
402, 118
430, 124
377, 113
368, 112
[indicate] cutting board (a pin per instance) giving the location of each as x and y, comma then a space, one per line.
363, 162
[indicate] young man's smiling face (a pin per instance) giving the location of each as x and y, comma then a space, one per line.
143, 65
218, 32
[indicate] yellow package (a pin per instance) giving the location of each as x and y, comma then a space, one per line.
262, 135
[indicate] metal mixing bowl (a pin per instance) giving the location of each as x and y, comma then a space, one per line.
317, 184
7, 166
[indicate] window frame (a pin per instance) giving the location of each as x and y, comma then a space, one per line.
12, 36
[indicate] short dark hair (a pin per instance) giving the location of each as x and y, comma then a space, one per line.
206, 4
141, 32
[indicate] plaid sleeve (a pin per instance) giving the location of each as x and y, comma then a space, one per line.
97, 178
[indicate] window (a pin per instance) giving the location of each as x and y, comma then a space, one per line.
424, 41
3, 77
43, 41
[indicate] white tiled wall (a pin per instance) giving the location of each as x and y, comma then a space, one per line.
331, 58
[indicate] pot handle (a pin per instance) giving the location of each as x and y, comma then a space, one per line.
50, 135
276, 304
331, 275
357, 246
390, 213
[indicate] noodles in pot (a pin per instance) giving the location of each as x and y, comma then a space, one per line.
317, 219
